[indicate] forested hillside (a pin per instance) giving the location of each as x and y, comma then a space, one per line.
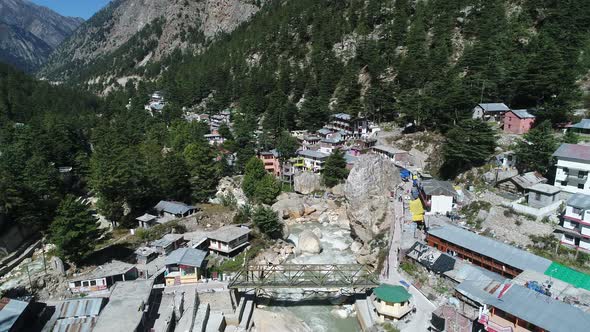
428, 60
42, 128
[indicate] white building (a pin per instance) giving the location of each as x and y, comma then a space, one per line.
576, 222
313, 160
438, 196
573, 165
488, 111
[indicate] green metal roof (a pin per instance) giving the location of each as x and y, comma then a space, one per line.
569, 275
390, 293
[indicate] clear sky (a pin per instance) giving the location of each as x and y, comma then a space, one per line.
78, 8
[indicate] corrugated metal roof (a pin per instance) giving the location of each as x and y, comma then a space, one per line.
580, 201
186, 256
10, 312
584, 124
146, 217
75, 325
529, 179
111, 268
494, 107
573, 151
174, 207
523, 114
342, 116
79, 307
499, 251
540, 310
545, 188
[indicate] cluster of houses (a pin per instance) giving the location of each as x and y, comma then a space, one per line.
498, 287
512, 121
156, 103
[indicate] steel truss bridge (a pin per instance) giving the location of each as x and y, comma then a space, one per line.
305, 276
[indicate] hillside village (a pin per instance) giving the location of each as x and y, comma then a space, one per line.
446, 253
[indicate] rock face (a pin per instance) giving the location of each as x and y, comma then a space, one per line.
289, 206
309, 243
29, 33
120, 21
307, 182
367, 191
229, 187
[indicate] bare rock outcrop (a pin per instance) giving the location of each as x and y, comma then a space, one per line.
367, 192
289, 205
309, 242
307, 182
230, 188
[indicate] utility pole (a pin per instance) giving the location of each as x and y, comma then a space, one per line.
43, 255
29, 275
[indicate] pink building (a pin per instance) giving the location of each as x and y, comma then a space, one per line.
518, 122
271, 162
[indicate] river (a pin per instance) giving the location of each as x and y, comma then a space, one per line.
320, 316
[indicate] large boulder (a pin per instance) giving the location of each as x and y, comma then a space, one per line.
289, 206
367, 189
309, 242
230, 188
307, 182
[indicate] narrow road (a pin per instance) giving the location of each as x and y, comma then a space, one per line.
420, 320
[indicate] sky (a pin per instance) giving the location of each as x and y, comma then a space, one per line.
77, 8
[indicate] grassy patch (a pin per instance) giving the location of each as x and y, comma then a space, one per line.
471, 211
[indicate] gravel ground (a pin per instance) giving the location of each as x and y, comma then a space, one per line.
508, 230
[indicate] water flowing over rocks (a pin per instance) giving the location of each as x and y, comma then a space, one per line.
367, 192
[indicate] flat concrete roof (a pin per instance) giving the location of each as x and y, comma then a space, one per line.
124, 312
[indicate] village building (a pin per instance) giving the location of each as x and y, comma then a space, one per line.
399, 157
483, 251
572, 167
214, 138
184, 266
128, 307
313, 160
431, 258
518, 122
328, 145
391, 302
505, 160
542, 195
324, 132
75, 314
103, 277
174, 209
510, 307
272, 163
217, 120
448, 318
144, 255
147, 221
437, 196
520, 183
582, 127
229, 240
575, 225
309, 140
355, 127
168, 243
490, 111
13, 315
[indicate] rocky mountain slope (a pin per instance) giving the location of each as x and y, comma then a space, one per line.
130, 34
29, 33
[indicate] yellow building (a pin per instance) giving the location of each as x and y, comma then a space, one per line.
184, 266
391, 302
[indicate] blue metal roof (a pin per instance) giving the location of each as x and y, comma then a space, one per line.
584, 124
504, 253
579, 201
174, 207
10, 313
523, 114
186, 256
494, 107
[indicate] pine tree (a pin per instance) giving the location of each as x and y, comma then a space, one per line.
334, 171
267, 189
74, 230
203, 170
267, 222
470, 143
253, 173
534, 152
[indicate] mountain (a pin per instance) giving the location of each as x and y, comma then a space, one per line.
128, 35
29, 33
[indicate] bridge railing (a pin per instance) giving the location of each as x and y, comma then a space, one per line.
305, 276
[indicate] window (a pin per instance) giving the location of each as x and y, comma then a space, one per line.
566, 170
92, 282
577, 210
580, 186
564, 183
582, 174
537, 196
85, 283
77, 284
568, 237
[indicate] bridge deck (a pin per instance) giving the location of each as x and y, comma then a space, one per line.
305, 276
